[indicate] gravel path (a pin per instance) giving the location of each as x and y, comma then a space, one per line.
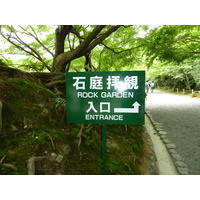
179, 116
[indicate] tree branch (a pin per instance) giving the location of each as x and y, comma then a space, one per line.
89, 39
124, 50
100, 39
62, 59
37, 39
32, 51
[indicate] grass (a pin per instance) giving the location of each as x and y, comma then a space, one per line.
186, 93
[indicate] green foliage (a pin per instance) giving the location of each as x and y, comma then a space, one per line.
120, 51
172, 44
33, 42
3, 63
124, 49
59, 102
43, 138
23, 103
173, 76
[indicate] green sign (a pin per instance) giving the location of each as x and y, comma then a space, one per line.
105, 97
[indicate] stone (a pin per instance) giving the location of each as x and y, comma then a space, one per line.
53, 156
180, 164
172, 151
157, 123
176, 156
170, 146
59, 158
166, 141
66, 149
183, 171
162, 132
112, 144
162, 136
13, 128
31, 164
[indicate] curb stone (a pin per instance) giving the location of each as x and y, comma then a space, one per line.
171, 148
177, 157
154, 169
163, 137
180, 164
166, 141
171, 151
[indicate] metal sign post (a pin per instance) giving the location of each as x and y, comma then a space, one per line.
105, 98
104, 149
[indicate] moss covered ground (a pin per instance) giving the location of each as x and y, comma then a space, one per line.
124, 149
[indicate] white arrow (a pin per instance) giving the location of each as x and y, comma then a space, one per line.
135, 109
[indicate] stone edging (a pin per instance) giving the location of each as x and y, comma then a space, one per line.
171, 148
154, 168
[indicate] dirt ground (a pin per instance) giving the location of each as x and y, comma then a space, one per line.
145, 166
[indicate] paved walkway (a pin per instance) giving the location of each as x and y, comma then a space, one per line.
179, 116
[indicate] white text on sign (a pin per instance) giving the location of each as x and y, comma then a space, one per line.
112, 82
105, 94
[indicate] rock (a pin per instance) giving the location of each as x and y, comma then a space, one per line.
162, 132
166, 141
112, 144
53, 156
66, 149
59, 158
183, 171
176, 156
13, 128
162, 136
180, 164
170, 146
157, 123
172, 151
31, 164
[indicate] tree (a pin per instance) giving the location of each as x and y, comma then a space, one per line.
123, 48
81, 41
172, 53
76, 45
26, 40
173, 44
71, 43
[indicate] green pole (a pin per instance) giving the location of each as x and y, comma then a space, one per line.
104, 149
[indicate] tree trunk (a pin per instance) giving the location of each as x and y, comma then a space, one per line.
187, 82
91, 41
88, 62
61, 33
